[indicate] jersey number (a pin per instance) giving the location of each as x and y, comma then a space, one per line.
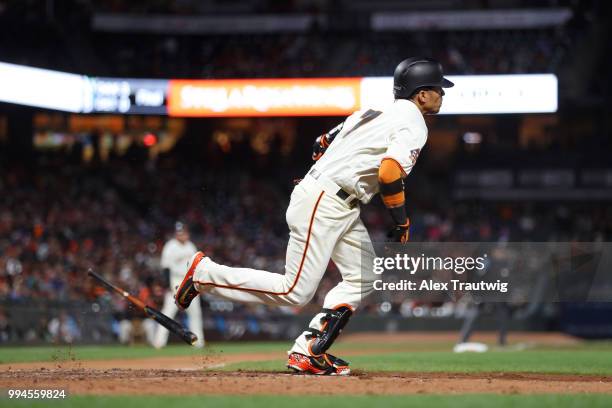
366, 117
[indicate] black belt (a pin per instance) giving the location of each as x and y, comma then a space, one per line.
343, 195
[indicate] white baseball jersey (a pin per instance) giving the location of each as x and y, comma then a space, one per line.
322, 225
397, 131
175, 256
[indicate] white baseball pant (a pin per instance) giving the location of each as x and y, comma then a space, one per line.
322, 227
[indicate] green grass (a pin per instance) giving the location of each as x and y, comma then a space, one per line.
587, 358
438, 401
566, 362
53, 353
541, 361
63, 352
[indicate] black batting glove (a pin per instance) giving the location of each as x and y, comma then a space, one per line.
400, 233
319, 147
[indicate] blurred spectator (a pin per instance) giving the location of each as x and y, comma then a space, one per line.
52, 229
5, 327
48, 40
64, 329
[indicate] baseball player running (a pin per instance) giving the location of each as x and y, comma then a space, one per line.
175, 254
370, 152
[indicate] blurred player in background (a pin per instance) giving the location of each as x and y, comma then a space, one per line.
175, 255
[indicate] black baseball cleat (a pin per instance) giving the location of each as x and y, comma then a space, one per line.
325, 364
187, 291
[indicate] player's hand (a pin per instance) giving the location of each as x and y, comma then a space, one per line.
319, 147
401, 233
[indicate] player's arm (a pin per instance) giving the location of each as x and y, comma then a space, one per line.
404, 147
322, 142
390, 179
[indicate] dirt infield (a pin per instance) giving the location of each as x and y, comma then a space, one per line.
186, 375
177, 382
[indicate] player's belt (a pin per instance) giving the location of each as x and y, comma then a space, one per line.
349, 199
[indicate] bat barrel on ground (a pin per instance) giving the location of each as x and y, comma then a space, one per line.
170, 324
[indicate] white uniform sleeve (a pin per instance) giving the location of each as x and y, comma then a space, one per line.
192, 248
166, 256
405, 144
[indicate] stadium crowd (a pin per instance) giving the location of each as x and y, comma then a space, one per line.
59, 217
45, 41
57, 220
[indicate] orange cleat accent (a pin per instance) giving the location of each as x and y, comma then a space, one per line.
326, 364
187, 291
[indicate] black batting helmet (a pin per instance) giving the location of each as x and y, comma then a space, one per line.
417, 72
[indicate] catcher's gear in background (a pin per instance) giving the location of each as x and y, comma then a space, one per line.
417, 72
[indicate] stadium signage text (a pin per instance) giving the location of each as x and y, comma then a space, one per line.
472, 94
264, 97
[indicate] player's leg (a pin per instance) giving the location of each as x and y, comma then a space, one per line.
353, 255
170, 310
316, 220
503, 318
469, 323
149, 328
125, 329
195, 321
